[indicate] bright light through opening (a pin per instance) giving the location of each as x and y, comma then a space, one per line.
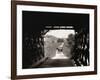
55, 41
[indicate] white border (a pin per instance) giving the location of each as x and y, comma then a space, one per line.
21, 71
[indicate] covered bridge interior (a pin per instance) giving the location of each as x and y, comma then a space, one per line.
34, 28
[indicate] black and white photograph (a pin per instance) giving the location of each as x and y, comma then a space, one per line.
53, 39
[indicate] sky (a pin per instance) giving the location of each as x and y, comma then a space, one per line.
60, 33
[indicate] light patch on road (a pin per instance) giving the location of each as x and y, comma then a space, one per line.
59, 55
